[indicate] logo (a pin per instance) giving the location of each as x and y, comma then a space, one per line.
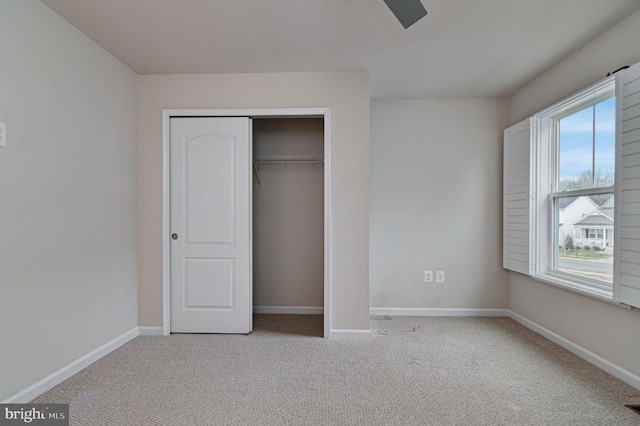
34, 414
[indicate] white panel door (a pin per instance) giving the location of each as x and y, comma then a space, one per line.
210, 225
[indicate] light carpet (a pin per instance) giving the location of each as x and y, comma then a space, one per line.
413, 371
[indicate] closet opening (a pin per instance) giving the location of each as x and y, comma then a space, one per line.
288, 225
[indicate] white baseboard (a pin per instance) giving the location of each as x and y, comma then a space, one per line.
342, 333
150, 331
606, 365
59, 376
295, 310
439, 312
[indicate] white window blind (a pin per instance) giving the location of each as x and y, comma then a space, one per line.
627, 234
517, 206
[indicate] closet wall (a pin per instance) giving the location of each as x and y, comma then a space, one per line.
288, 215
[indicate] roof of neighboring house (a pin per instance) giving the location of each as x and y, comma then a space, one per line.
607, 212
565, 202
608, 207
609, 204
595, 219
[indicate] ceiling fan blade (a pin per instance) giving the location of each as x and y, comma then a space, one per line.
408, 12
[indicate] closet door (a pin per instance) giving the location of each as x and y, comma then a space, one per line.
210, 225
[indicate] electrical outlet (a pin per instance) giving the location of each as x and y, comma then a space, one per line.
440, 276
428, 276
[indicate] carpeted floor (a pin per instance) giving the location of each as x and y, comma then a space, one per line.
414, 371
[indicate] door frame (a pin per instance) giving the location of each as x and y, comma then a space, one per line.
167, 114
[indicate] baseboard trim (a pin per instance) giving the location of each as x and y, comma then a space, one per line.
343, 333
439, 312
150, 331
600, 362
59, 376
289, 310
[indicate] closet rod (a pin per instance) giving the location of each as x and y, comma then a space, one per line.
258, 159
262, 159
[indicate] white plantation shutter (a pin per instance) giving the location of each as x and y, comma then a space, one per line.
627, 214
517, 218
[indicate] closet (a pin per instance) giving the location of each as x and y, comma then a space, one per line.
288, 215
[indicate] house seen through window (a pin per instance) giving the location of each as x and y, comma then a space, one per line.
583, 199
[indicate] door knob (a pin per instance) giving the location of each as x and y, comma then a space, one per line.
174, 236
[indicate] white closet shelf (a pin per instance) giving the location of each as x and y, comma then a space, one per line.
283, 159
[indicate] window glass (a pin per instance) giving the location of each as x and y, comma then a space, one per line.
585, 236
586, 159
586, 148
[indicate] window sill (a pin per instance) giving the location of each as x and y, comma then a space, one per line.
574, 287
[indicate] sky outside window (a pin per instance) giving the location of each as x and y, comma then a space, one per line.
587, 147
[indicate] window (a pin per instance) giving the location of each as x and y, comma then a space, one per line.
582, 144
595, 234
571, 202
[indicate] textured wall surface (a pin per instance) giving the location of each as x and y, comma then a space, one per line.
68, 267
436, 203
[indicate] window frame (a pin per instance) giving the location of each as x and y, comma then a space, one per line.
545, 182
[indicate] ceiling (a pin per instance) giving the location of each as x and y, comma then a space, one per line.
461, 49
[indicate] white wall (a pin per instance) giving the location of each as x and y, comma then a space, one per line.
68, 275
288, 215
347, 94
436, 203
604, 329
